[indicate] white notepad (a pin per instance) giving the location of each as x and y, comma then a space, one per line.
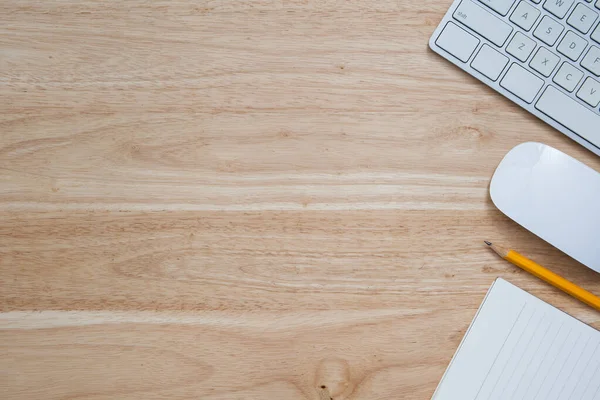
521, 348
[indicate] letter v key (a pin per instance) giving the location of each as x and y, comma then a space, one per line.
590, 92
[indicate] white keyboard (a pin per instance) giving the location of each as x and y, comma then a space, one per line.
542, 54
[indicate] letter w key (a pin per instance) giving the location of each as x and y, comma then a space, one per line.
558, 7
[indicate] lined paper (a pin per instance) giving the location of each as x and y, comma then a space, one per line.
521, 348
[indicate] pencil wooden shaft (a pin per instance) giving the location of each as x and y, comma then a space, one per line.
553, 279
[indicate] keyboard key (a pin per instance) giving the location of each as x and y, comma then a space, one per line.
500, 6
591, 61
548, 31
525, 15
558, 7
489, 62
568, 77
521, 47
457, 42
582, 18
572, 46
544, 61
590, 92
570, 114
521, 83
596, 34
481, 21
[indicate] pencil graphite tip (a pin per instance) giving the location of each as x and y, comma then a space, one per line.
488, 243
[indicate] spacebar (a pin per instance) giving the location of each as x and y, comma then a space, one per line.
570, 114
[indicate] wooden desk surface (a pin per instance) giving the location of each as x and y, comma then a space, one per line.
247, 200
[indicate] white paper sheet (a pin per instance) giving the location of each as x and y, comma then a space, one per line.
521, 348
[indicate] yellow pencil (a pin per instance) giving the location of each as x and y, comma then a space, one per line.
547, 275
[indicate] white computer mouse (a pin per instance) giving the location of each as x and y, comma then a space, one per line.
554, 196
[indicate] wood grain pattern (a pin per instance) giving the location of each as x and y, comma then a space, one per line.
247, 200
